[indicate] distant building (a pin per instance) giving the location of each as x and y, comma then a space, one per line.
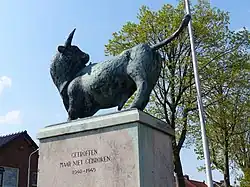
193, 183
15, 150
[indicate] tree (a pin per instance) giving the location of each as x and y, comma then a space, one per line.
173, 98
227, 123
245, 182
240, 152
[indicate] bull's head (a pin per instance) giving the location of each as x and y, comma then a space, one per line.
72, 51
67, 63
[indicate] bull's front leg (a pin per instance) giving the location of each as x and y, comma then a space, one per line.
72, 114
73, 107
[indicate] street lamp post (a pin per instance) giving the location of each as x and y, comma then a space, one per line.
28, 182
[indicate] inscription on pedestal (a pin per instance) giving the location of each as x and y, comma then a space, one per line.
84, 161
94, 159
127, 150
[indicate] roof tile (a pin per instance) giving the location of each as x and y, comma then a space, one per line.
7, 138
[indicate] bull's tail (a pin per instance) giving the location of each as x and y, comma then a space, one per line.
183, 24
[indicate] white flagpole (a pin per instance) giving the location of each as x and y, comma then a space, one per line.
199, 100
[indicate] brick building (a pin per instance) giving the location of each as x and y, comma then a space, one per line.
15, 150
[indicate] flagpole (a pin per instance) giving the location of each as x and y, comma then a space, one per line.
199, 100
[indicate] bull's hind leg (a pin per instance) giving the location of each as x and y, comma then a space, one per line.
142, 93
126, 96
138, 71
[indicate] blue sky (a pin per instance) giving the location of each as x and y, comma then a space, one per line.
30, 34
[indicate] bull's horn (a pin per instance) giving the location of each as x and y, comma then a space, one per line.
69, 39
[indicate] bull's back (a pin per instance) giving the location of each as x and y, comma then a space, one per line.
144, 61
106, 81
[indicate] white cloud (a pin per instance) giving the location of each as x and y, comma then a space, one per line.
11, 118
4, 82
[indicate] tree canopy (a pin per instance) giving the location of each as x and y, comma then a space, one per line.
174, 97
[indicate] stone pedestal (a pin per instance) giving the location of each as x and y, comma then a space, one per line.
123, 149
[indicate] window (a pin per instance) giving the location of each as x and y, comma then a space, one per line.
10, 177
1, 176
1, 179
33, 179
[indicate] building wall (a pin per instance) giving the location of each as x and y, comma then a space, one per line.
16, 155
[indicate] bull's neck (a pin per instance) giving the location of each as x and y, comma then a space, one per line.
64, 72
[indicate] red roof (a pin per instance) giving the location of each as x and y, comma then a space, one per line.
4, 140
193, 183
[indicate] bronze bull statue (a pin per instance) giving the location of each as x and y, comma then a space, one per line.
86, 89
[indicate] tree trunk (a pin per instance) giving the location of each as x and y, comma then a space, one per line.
178, 166
226, 162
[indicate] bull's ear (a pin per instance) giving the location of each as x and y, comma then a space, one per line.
61, 48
